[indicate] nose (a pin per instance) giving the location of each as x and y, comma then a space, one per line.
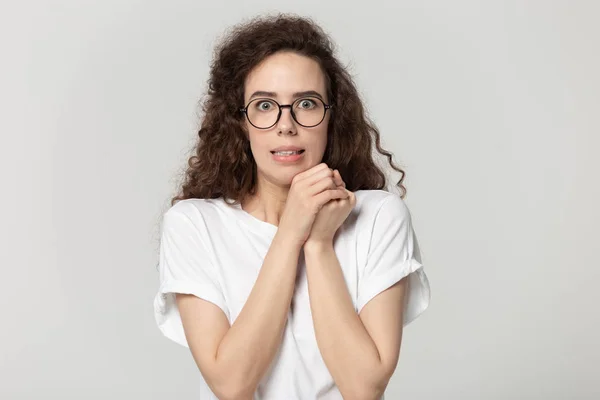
286, 123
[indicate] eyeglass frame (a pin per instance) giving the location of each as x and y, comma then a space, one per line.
281, 106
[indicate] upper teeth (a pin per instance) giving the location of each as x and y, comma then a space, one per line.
287, 153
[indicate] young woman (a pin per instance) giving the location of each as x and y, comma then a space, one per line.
285, 266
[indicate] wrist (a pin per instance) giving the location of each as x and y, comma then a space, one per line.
316, 246
287, 241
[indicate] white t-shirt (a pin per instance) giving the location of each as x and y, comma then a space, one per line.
214, 251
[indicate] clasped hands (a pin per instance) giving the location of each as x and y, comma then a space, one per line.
331, 216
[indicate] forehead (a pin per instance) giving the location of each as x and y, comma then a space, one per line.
286, 73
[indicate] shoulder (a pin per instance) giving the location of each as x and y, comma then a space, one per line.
194, 207
193, 213
380, 203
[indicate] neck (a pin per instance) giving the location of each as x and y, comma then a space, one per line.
268, 203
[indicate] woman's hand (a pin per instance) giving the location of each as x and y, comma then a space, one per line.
309, 192
332, 215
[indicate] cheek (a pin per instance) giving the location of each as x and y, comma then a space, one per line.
258, 145
323, 138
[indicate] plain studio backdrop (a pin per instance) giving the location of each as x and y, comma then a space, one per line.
492, 108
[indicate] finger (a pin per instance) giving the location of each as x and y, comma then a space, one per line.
311, 172
312, 180
339, 180
329, 195
324, 182
336, 177
343, 192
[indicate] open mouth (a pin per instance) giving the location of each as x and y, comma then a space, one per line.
287, 153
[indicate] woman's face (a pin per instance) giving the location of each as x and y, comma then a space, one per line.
282, 77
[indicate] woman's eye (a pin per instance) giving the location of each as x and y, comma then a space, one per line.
264, 105
306, 103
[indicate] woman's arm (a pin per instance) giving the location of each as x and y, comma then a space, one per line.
233, 359
361, 352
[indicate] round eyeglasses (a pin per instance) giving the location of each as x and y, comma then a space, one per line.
264, 113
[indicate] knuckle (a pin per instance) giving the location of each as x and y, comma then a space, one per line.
314, 207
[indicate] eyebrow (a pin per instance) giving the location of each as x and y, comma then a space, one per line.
261, 93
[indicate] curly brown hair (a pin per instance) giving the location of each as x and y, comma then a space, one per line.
223, 164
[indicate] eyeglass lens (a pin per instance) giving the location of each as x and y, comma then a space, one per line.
263, 113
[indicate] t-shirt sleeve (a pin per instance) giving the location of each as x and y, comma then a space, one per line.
184, 267
394, 254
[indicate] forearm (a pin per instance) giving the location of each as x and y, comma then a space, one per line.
347, 349
250, 344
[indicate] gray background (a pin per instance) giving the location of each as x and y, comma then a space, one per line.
492, 108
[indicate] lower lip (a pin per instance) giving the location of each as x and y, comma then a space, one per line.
292, 158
